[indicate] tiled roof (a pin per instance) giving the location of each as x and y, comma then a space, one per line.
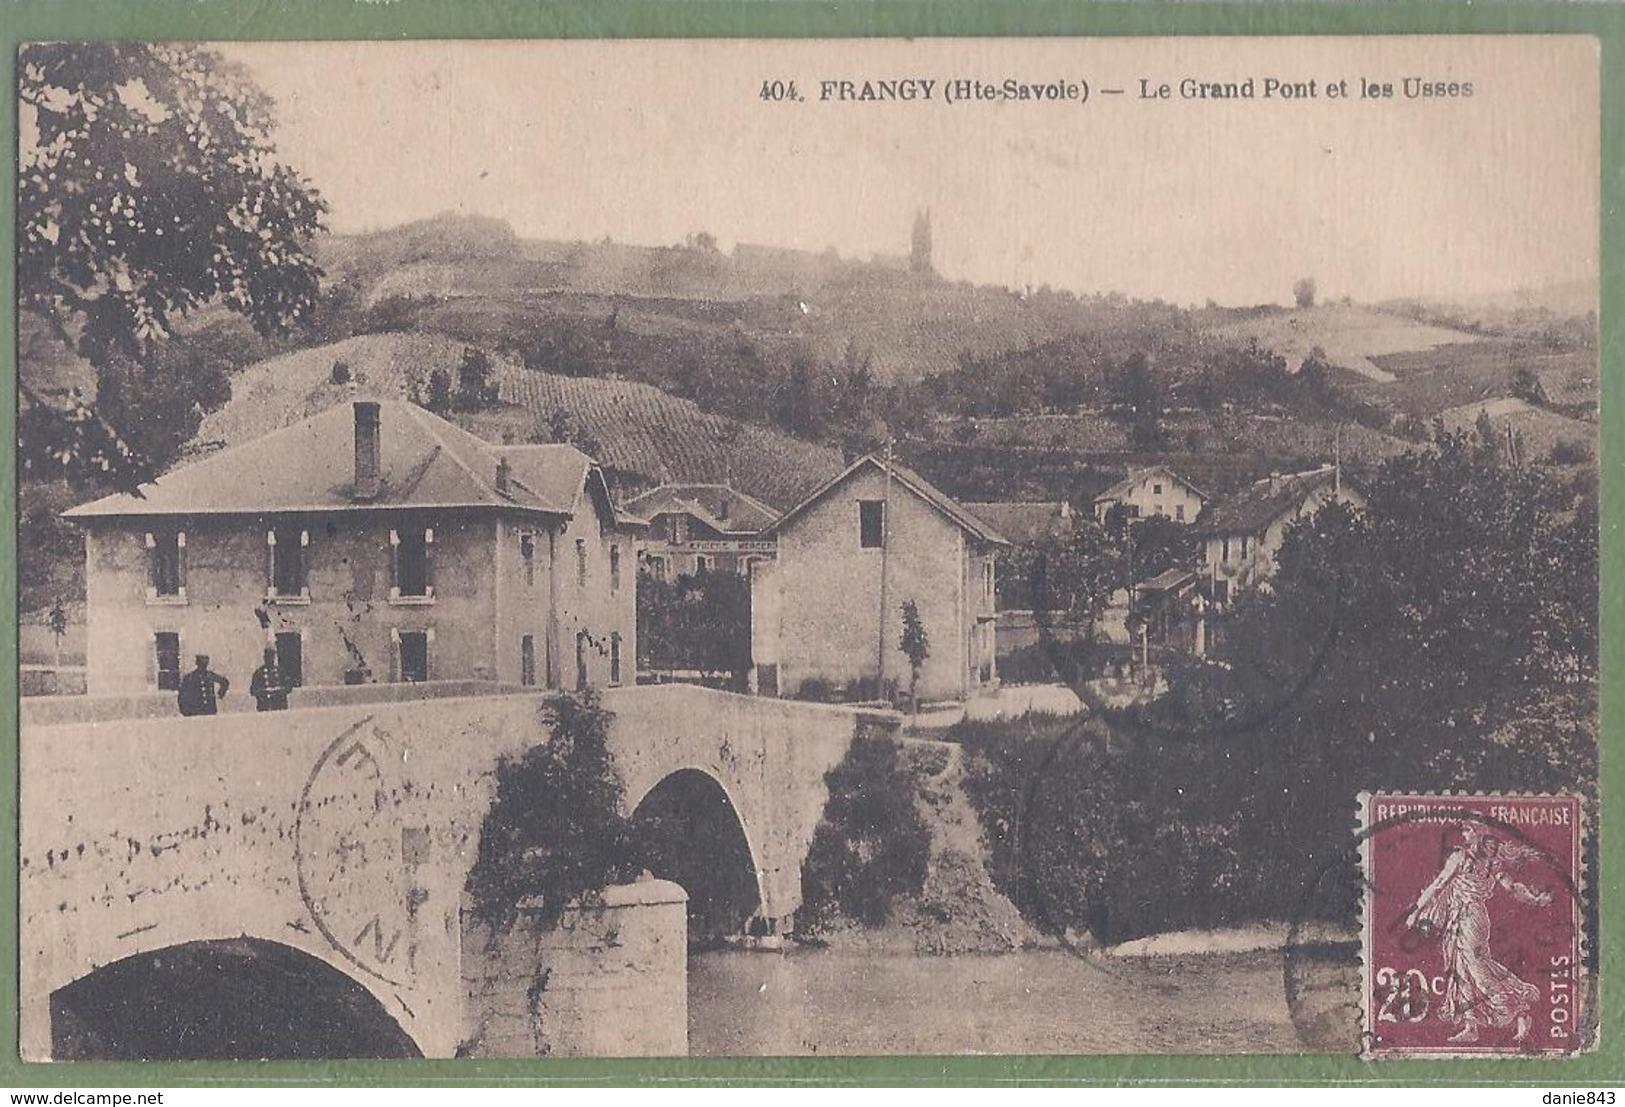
1167, 580
743, 515
1262, 502
910, 480
1022, 523
1124, 486
424, 461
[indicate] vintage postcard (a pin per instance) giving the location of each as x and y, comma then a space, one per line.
763, 548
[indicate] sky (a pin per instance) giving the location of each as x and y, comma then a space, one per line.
1183, 199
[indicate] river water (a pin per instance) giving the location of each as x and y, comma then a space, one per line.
829, 1001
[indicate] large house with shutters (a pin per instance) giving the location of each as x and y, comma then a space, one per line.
828, 609
374, 541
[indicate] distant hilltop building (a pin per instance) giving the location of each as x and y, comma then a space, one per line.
919, 258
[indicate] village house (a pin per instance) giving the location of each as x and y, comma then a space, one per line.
1157, 490
1242, 534
695, 528
829, 609
372, 542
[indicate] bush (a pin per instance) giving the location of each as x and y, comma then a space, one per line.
1569, 452
340, 373
871, 846
555, 832
1124, 835
1058, 660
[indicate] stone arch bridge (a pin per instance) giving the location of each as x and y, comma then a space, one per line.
346, 832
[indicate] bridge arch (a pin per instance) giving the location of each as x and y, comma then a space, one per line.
693, 833
244, 999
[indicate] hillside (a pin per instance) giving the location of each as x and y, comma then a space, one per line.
1353, 337
643, 435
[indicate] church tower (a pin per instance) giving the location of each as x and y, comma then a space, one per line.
919, 258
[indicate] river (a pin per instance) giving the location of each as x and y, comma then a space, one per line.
829, 1001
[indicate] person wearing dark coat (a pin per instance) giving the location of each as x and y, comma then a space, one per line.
201, 690
267, 687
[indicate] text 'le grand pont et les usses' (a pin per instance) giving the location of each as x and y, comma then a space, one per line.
1050, 89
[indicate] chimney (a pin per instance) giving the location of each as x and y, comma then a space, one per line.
367, 480
722, 508
502, 476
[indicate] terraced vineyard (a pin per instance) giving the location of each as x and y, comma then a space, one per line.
644, 436
644, 432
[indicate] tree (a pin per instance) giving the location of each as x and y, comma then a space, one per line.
916, 646
1140, 392
148, 186
555, 832
1526, 386
476, 385
1303, 292
1464, 605
1159, 544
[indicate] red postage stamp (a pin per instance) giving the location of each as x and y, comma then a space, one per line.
1472, 925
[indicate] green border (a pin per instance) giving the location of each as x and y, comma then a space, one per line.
26, 20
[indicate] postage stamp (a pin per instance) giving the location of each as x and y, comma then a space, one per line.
1472, 937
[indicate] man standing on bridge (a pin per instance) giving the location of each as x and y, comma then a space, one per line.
200, 689
266, 685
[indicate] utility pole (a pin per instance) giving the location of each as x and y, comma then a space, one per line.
885, 556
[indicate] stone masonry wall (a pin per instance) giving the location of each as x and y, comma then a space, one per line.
610, 981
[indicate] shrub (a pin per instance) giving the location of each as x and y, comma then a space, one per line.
340, 373
1089, 828
1569, 452
871, 846
555, 832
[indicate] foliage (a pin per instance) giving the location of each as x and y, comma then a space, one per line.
1567, 451
1141, 394
340, 373
148, 187
1526, 386
695, 622
1088, 830
1157, 543
1069, 573
915, 644
397, 312
1303, 292
52, 566
555, 832
1445, 637
871, 846
476, 381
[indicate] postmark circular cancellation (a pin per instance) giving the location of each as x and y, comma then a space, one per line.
1472, 926
351, 855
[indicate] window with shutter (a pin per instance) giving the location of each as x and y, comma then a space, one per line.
166, 552
167, 660
287, 545
410, 557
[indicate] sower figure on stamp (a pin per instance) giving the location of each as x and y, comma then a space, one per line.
266, 685
1479, 990
201, 689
